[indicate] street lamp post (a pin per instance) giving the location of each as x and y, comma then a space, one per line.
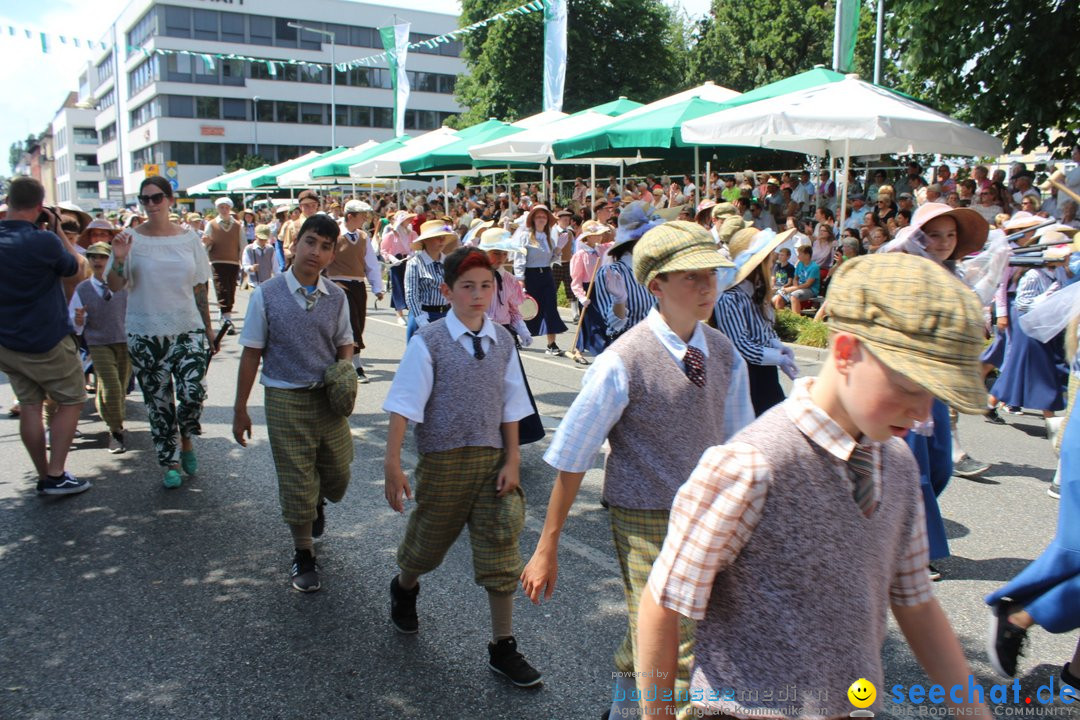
333, 59
255, 117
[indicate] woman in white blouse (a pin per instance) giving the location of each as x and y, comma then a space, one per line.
166, 272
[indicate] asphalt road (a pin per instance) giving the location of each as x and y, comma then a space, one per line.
130, 601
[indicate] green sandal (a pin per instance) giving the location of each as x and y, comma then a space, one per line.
173, 478
189, 462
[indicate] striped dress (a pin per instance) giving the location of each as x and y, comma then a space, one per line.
751, 333
639, 301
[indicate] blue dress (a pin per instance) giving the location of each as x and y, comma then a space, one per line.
934, 456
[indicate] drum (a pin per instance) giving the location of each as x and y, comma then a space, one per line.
528, 308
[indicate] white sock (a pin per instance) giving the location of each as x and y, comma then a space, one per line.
356, 361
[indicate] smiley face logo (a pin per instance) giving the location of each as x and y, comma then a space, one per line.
862, 693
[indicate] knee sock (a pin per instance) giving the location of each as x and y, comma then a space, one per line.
502, 615
957, 451
406, 580
356, 361
302, 537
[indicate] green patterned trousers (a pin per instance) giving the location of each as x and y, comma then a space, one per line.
171, 371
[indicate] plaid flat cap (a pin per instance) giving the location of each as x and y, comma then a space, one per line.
918, 319
675, 247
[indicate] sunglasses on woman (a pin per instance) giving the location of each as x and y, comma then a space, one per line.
151, 199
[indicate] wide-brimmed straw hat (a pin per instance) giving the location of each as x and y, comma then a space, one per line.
401, 216
971, 227
433, 229
593, 228
98, 225
1022, 220
634, 221
750, 247
540, 208
498, 239
918, 319
676, 246
71, 208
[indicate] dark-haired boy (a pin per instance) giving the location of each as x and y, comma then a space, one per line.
355, 263
813, 514
667, 369
297, 325
461, 384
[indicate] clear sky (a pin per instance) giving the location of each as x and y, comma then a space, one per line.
34, 84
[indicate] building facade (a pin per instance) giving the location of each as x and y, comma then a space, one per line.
75, 146
155, 108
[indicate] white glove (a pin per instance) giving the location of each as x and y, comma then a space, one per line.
615, 286
776, 343
772, 356
584, 303
788, 353
790, 368
523, 334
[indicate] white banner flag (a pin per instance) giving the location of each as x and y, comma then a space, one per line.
555, 13
395, 41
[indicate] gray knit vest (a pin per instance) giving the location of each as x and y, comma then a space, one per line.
466, 404
104, 318
299, 344
669, 422
804, 603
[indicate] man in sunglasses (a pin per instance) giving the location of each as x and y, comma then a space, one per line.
224, 241
37, 348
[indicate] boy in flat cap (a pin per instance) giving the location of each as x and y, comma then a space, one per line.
813, 513
664, 370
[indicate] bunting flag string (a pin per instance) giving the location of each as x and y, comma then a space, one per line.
49, 40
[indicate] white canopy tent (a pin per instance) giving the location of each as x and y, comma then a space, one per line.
389, 164
845, 118
302, 176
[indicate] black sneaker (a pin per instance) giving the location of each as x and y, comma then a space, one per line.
1006, 640
554, 350
66, 484
1068, 678
969, 467
993, 417
506, 660
305, 571
319, 525
361, 377
403, 608
1054, 490
935, 574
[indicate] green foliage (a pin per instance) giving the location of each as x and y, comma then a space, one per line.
745, 45
634, 48
18, 148
801, 330
1007, 66
244, 162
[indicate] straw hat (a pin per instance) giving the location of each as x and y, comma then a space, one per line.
750, 247
70, 208
971, 227
498, 239
433, 229
703, 207
1022, 220
593, 228
1066, 230
933, 337
540, 208
476, 227
400, 217
262, 232
676, 246
98, 225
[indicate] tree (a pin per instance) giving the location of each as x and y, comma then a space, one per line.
1009, 68
634, 48
744, 45
18, 148
244, 162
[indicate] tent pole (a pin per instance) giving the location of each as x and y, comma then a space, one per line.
708, 175
446, 194
592, 188
843, 197
697, 170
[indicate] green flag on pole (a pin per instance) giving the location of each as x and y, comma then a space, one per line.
395, 40
847, 26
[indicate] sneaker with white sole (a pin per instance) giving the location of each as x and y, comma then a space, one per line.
1054, 490
504, 658
305, 572
969, 467
117, 442
1006, 640
66, 484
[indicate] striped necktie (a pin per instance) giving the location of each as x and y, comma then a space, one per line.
477, 346
694, 360
310, 298
861, 471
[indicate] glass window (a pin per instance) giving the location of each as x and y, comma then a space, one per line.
181, 106
427, 119
380, 78
288, 152
182, 152
177, 21
341, 115
232, 27
234, 151
341, 33
204, 74
265, 110
310, 40
258, 71
447, 83
108, 133
451, 48
142, 76
382, 117
314, 74
208, 108
424, 82
287, 112
311, 114
209, 153
289, 72
206, 24
260, 30
410, 119
232, 72
86, 162
364, 37
284, 36
178, 68
234, 109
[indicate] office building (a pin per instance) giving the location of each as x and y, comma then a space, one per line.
78, 176
155, 108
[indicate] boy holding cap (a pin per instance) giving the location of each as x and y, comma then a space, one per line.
459, 382
97, 313
297, 325
354, 263
224, 241
667, 368
258, 259
813, 513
